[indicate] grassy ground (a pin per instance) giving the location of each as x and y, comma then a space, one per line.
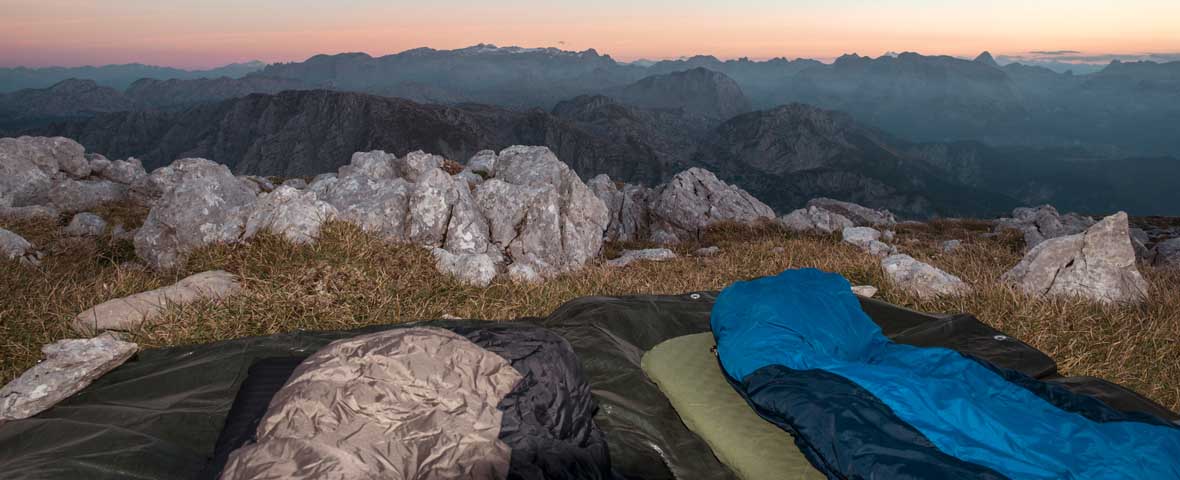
351, 279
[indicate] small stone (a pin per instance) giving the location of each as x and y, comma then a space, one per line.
15, 247
651, 254
951, 245
866, 291
296, 183
477, 270
706, 251
523, 273
86, 224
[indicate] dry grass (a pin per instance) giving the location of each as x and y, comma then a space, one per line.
351, 279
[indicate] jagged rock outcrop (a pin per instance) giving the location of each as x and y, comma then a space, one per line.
202, 204
628, 207
529, 214
68, 367
695, 199
563, 221
85, 224
295, 215
1097, 264
921, 279
41, 177
677, 211
139, 309
15, 247
1041, 223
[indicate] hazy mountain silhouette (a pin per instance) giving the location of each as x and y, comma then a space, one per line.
698, 91
115, 76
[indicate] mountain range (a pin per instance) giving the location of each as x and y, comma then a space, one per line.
922, 135
784, 155
115, 76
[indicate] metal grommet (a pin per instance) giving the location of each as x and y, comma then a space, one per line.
1000, 337
695, 296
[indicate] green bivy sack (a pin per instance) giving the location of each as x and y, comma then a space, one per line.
687, 372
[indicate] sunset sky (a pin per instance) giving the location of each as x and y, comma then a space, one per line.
207, 33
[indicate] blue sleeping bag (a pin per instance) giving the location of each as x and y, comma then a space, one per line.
805, 356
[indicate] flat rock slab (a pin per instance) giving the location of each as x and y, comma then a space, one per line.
921, 279
69, 366
133, 311
650, 254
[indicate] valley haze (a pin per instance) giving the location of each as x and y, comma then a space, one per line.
922, 135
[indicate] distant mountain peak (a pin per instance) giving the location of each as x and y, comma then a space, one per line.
986, 59
698, 90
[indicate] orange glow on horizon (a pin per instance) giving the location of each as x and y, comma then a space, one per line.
217, 32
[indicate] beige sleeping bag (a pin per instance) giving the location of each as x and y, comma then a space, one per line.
414, 403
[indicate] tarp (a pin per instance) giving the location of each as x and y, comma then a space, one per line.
807, 357
159, 415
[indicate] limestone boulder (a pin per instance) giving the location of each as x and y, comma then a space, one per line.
1097, 264
294, 214
921, 279
204, 205
695, 199
29, 165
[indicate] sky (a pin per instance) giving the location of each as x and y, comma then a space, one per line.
202, 34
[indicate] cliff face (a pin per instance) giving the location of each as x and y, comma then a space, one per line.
296, 133
793, 153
